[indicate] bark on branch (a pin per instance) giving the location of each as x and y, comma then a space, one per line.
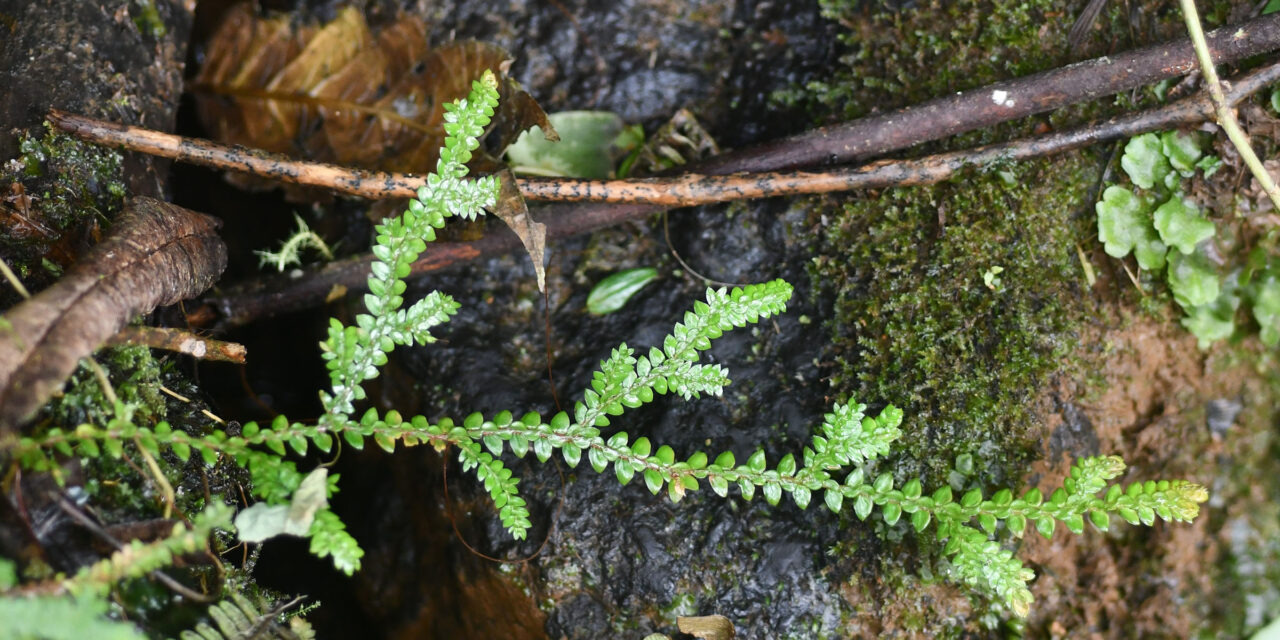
272, 295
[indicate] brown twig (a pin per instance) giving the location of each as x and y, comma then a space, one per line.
1000, 102
180, 341
93, 527
279, 294
860, 139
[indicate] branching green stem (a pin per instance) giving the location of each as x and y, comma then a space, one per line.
844, 445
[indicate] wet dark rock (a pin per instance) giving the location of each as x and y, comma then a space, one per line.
1075, 436
1220, 414
104, 60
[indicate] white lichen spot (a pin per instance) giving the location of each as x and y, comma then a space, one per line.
1001, 97
193, 347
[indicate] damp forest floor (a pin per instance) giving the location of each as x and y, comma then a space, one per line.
1018, 377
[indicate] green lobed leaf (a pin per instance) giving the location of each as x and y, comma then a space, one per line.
1181, 225
1265, 295
589, 144
1145, 162
1192, 279
1182, 148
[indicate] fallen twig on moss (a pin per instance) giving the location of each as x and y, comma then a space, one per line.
271, 295
841, 144
179, 341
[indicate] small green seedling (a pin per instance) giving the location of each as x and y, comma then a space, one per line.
612, 293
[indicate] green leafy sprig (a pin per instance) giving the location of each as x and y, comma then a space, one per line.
835, 464
76, 607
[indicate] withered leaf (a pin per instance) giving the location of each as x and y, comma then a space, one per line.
715, 627
341, 93
512, 209
156, 254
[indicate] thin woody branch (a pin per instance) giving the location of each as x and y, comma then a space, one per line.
867, 137
271, 295
179, 341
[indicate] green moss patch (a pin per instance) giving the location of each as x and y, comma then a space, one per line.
916, 323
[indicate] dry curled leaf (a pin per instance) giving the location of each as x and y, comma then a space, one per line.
714, 627
157, 254
343, 93
511, 208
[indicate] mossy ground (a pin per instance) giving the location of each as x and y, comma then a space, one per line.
54, 196
979, 369
915, 323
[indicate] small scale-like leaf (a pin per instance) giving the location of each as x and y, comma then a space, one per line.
920, 520
1100, 519
862, 506
1017, 524
641, 447
542, 449
942, 495
1045, 525
726, 460
624, 471
666, 455
572, 455
772, 492
653, 480
834, 500
596, 458
987, 522
787, 465
802, 496
719, 485
892, 512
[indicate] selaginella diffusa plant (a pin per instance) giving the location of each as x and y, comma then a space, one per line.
835, 465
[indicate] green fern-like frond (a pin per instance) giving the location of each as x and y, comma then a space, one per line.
236, 618
46, 617
353, 354
138, 559
834, 465
291, 251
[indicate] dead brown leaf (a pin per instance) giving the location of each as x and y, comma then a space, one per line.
341, 93
715, 627
156, 254
512, 209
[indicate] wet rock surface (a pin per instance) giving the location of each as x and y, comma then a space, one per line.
616, 560
603, 560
